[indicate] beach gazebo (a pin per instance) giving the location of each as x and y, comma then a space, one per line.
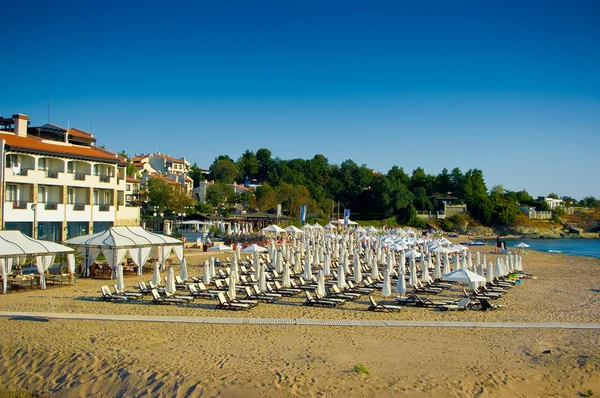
116, 242
15, 244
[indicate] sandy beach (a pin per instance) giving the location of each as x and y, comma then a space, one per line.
75, 358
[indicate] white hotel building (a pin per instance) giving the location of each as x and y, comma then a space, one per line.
57, 184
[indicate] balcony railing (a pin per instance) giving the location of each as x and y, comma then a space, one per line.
51, 174
79, 206
19, 205
104, 178
51, 206
21, 172
79, 176
104, 207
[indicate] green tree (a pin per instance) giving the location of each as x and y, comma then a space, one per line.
196, 174
292, 197
443, 182
457, 179
553, 195
265, 164
475, 196
247, 199
220, 194
266, 197
421, 200
159, 194
224, 170
248, 166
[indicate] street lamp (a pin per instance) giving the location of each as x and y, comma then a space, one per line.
155, 222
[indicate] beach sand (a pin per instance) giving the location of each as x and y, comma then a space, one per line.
74, 358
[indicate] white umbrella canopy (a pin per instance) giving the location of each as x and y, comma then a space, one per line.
464, 276
156, 276
330, 226
522, 245
170, 287
120, 282
273, 228
387, 284
293, 229
183, 273
254, 248
232, 291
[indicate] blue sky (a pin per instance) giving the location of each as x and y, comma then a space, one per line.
509, 87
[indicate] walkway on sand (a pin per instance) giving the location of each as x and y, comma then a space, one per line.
46, 316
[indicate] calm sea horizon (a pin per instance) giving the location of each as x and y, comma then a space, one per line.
571, 247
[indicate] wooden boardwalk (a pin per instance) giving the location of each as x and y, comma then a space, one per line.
47, 316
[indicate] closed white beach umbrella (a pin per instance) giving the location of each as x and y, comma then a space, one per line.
375, 271
206, 273
286, 280
413, 280
308, 269
262, 280
401, 283
464, 264
156, 276
357, 271
256, 265
341, 282
489, 274
425, 270
297, 263
457, 262
437, 272
321, 284
446, 269
327, 264
234, 269
232, 286
120, 282
470, 262
498, 270
387, 284
211, 263
478, 258
170, 287
480, 272
484, 259
183, 273
279, 262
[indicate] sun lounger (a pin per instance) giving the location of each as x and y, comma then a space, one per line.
357, 289
460, 305
251, 303
283, 292
197, 293
108, 296
418, 301
382, 307
157, 299
258, 296
144, 289
226, 305
317, 301
345, 295
278, 287
185, 298
276, 296
131, 295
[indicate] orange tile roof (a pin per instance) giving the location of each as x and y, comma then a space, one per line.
139, 158
36, 145
81, 134
165, 179
171, 158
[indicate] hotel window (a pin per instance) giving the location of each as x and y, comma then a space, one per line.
11, 193
70, 167
41, 194
70, 196
42, 164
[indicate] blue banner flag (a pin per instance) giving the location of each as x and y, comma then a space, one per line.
346, 217
303, 213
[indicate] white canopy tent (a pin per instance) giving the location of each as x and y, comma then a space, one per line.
116, 242
15, 244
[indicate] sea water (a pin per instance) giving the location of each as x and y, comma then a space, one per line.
572, 247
